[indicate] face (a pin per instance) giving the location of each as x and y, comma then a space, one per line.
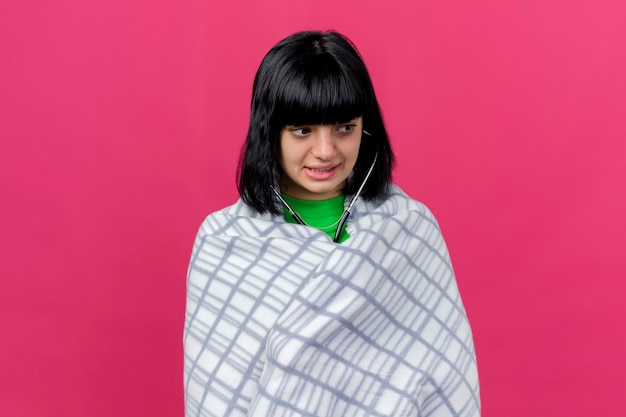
317, 159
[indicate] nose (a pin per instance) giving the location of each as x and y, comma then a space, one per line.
324, 144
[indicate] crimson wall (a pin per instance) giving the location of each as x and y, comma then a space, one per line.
120, 127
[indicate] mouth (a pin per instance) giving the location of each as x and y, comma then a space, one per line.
321, 173
327, 169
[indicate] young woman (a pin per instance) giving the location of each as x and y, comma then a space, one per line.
325, 290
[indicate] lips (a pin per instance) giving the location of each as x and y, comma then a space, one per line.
321, 169
321, 173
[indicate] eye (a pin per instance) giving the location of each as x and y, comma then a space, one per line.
299, 131
346, 128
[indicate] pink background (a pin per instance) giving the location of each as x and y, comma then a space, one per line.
120, 126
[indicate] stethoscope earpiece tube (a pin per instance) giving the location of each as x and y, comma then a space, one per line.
342, 220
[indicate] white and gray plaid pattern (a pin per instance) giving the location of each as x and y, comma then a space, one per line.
282, 322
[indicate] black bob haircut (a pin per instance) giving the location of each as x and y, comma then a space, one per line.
311, 78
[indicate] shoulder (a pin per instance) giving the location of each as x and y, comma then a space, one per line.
400, 202
240, 220
399, 223
232, 216
397, 203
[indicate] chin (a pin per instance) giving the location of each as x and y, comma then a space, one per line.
326, 192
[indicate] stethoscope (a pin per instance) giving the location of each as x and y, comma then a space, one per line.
346, 213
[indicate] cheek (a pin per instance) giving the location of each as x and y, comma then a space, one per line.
294, 153
284, 158
354, 150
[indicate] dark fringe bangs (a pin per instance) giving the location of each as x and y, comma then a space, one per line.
319, 97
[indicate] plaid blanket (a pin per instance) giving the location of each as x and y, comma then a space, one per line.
280, 321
